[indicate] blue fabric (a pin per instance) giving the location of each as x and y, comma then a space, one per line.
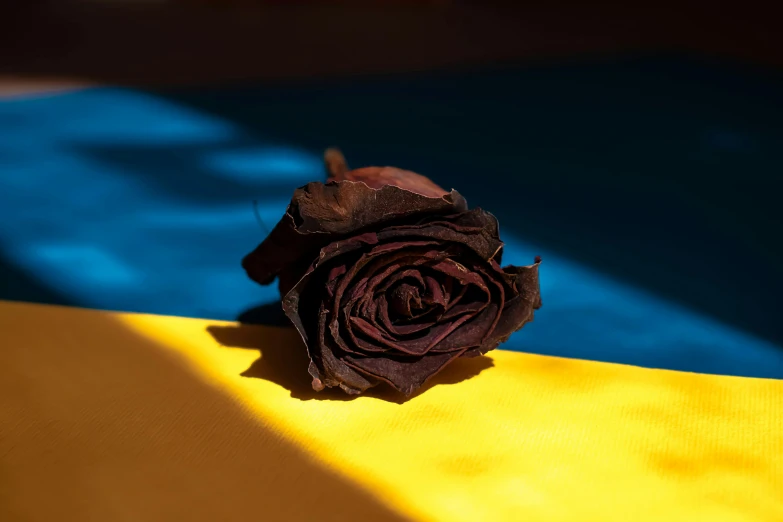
647, 187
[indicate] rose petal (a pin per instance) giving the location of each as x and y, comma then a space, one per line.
403, 299
418, 346
415, 274
378, 264
389, 266
525, 281
322, 214
472, 333
447, 287
405, 375
377, 177
327, 370
343, 311
360, 345
477, 232
453, 300
372, 294
464, 308
332, 278
434, 293
471, 221
520, 309
370, 314
395, 330
377, 316
499, 296
394, 262
459, 272
482, 330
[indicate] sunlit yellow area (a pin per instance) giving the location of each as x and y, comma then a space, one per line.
158, 418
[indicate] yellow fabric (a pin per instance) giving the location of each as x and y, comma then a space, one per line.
143, 418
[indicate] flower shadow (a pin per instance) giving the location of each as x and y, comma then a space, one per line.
265, 314
283, 360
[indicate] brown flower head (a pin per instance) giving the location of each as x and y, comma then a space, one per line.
389, 278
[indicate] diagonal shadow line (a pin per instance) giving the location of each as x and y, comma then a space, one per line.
157, 438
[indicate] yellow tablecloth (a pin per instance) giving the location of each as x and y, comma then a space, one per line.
115, 417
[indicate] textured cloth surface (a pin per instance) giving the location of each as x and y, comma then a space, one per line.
107, 416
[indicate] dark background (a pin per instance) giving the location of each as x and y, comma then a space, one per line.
143, 42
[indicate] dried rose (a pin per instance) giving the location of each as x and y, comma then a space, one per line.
389, 278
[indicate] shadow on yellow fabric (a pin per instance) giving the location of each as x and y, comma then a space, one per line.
99, 423
108, 416
284, 357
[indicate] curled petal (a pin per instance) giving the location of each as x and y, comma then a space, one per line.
378, 177
328, 371
525, 281
475, 229
322, 214
473, 333
397, 330
404, 374
418, 346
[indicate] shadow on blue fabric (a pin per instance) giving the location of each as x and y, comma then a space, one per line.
648, 186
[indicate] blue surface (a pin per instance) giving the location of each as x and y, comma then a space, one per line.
143, 201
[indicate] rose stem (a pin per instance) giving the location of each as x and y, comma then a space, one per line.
336, 165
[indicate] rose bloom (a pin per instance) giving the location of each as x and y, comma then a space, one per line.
389, 278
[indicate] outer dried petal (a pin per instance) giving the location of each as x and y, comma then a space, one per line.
405, 375
322, 214
377, 177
